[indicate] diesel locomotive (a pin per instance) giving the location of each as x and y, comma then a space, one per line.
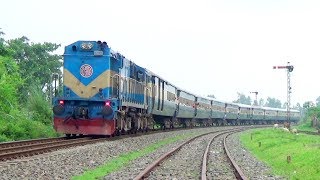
105, 93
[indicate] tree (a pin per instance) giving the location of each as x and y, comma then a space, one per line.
297, 107
37, 63
211, 96
273, 102
242, 99
261, 102
318, 102
9, 82
3, 50
308, 104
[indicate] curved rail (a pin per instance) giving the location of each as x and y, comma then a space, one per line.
205, 157
238, 172
143, 174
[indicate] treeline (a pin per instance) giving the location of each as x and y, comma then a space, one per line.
310, 112
26, 70
270, 102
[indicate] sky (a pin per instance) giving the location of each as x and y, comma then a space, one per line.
218, 47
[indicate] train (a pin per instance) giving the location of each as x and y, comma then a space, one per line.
104, 93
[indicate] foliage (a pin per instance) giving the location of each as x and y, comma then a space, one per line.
40, 108
2, 47
273, 102
24, 72
313, 112
9, 82
36, 62
261, 102
276, 145
18, 125
297, 107
309, 114
242, 99
308, 104
211, 96
306, 126
318, 101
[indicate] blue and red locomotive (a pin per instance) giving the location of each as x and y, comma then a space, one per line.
106, 94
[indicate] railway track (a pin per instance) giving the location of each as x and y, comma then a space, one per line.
28, 142
191, 171
222, 165
26, 148
19, 149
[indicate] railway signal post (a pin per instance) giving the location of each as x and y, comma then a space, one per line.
289, 69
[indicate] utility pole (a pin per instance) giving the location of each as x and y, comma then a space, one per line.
289, 69
256, 100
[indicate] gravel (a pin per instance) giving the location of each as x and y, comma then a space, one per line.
250, 165
219, 166
174, 167
64, 164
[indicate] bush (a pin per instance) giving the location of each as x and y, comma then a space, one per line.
18, 125
39, 107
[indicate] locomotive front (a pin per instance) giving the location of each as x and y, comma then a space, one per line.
86, 106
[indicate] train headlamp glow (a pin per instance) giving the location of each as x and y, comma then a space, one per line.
86, 46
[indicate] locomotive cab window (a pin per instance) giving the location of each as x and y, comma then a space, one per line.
140, 76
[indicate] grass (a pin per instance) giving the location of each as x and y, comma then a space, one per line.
277, 145
124, 159
306, 127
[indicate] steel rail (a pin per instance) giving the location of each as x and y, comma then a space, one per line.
238, 172
45, 148
206, 154
32, 141
143, 174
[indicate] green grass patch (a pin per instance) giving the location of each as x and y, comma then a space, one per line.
306, 127
277, 145
124, 159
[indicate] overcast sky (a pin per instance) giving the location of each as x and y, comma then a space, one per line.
218, 47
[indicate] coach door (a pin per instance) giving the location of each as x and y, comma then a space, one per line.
158, 94
153, 92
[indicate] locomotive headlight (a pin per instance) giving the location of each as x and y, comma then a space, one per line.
86, 46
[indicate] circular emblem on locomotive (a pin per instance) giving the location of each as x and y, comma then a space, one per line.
86, 70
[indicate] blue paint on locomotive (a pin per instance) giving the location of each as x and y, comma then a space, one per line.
73, 60
88, 70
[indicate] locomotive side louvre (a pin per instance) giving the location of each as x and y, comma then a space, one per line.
132, 85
